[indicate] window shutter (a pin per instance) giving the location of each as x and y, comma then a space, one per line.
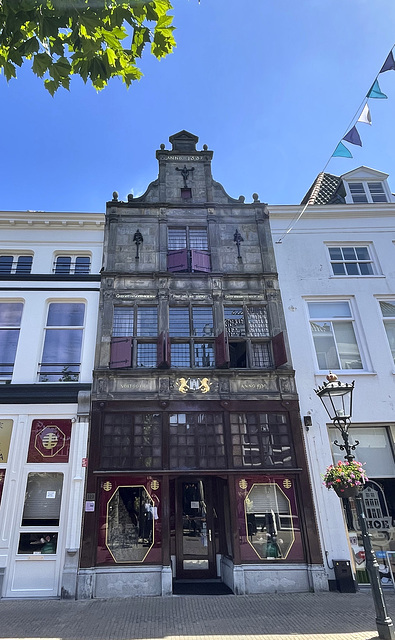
121, 353
279, 351
177, 260
222, 358
200, 261
163, 350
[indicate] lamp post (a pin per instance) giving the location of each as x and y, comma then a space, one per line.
336, 397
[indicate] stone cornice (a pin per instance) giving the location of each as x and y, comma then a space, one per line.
384, 210
45, 219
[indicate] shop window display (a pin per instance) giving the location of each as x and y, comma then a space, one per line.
130, 524
267, 506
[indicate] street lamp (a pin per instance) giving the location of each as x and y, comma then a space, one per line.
336, 397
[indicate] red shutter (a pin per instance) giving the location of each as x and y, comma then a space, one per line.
121, 353
279, 351
222, 358
200, 261
163, 350
177, 260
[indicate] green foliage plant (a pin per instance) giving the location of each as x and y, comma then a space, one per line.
95, 39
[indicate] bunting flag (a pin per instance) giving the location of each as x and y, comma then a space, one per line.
375, 91
353, 137
389, 64
365, 115
341, 151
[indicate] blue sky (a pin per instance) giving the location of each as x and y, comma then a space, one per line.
269, 85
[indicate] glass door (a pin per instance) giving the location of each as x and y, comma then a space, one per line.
194, 529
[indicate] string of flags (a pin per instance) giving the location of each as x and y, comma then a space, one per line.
352, 136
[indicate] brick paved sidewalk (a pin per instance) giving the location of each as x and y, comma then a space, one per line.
301, 616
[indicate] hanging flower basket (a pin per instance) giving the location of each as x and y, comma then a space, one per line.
344, 491
346, 478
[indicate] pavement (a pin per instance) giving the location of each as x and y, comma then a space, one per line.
298, 616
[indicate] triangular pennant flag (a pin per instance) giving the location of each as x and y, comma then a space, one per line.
353, 137
389, 64
375, 91
365, 115
341, 151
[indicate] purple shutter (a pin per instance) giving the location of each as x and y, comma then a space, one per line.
279, 351
200, 261
177, 260
121, 353
222, 358
163, 350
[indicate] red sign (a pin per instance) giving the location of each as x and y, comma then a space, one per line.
49, 441
84, 462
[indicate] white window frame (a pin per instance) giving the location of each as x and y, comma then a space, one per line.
6, 378
353, 319
373, 261
46, 327
15, 257
385, 320
367, 192
73, 258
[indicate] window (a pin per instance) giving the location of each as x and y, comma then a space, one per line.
243, 325
332, 327
388, 312
62, 343
132, 343
10, 320
196, 441
132, 441
261, 440
196, 324
15, 264
364, 192
72, 264
351, 261
269, 521
188, 249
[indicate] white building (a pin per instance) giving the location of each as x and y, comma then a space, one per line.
337, 279
49, 292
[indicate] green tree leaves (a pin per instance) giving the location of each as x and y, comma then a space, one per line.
90, 38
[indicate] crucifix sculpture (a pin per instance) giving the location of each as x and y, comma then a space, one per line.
185, 172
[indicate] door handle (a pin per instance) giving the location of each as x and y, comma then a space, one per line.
209, 534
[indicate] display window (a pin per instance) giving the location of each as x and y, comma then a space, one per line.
129, 521
268, 519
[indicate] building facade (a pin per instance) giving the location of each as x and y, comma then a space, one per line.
197, 467
337, 278
49, 294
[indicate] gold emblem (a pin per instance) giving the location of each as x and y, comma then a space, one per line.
154, 485
107, 486
243, 484
287, 484
182, 384
193, 384
50, 440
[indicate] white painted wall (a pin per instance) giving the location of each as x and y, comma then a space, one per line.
304, 272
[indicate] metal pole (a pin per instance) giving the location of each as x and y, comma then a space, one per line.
384, 623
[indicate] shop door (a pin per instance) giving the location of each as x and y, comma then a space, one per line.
195, 536
34, 569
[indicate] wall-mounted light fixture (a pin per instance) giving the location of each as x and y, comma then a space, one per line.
138, 240
238, 239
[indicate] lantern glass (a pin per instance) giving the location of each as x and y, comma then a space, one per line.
337, 399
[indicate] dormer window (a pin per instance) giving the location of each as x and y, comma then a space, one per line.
367, 192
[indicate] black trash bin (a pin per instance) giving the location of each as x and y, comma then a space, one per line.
344, 578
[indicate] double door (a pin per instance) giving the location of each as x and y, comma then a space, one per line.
195, 528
